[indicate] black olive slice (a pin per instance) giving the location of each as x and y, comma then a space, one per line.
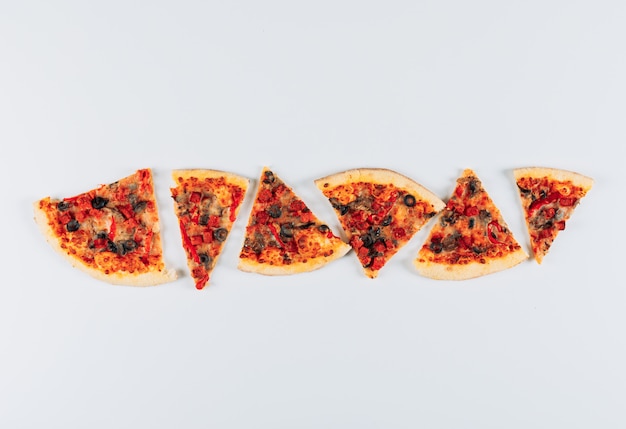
99, 202
409, 200
72, 225
63, 206
220, 234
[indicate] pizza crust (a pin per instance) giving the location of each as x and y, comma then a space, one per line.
251, 266
439, 271
554, 174
150, 278
381, 176
231, 178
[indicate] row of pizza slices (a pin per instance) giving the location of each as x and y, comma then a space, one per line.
113, 233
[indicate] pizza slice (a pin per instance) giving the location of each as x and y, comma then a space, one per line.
111, 232
470, 238
206, 203
283, 236
380, 210
549, 197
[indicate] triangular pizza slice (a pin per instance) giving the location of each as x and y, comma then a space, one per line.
470, 238
111, 232
380, 210
206, 203
283, 236
549, 197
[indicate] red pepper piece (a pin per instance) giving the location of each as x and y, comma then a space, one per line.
493, 237
296, 206
398, 232
567, 202
195, 197
471, 211
377, 263
112, 229
237, 198
537, 204
188, 245
276, 234
265, 195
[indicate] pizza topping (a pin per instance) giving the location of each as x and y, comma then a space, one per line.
73, 225
410, 200
99, 202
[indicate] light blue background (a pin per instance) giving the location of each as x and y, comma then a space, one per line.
92, 91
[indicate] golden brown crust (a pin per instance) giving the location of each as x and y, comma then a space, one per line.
554, 174
442, 271
248, 265
231, 178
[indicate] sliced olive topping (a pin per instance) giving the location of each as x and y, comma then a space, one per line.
472, 221
367, 240
99, 202
386, 220
274, 211
125, 246
323, 228
102, 235
409, 200
205, 259
72, 225
63, 206
220, 234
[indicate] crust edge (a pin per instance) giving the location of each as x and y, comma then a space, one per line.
251, 266
439, 271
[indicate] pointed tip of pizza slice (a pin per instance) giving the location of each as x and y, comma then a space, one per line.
470, 238
548, 197
111, 232
380, 210
206, 204
283, 235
